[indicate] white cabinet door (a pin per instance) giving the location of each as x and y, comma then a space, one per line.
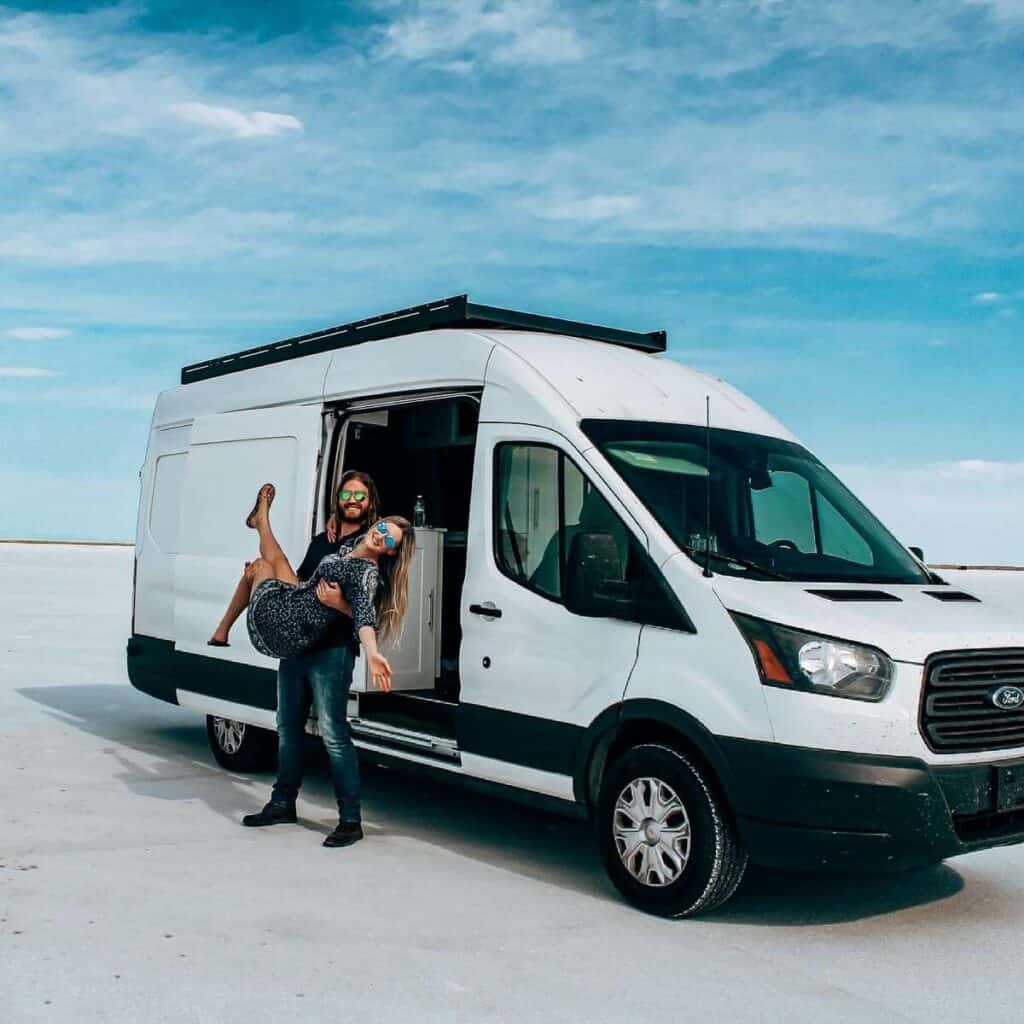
415, 657
229, 457
533, 674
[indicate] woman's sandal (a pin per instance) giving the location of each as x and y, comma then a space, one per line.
251, 517
217, 643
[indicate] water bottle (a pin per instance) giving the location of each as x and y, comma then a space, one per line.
419, 512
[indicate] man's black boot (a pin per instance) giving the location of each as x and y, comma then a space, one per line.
347, 833
273, 814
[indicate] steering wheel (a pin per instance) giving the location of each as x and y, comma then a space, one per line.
784, 545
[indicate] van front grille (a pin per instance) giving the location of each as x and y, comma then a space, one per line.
957, 712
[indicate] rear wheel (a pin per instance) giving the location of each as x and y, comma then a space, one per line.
666, 836
240, 747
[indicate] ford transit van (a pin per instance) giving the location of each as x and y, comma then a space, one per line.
638, 598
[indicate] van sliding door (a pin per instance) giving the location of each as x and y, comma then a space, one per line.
229, 457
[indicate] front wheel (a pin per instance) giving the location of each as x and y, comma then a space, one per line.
666, 836
240, 747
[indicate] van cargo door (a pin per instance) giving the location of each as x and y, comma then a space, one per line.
229, 457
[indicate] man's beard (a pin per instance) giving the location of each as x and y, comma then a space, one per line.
352, 515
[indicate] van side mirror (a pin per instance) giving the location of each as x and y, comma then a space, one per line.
593, 577
918, 553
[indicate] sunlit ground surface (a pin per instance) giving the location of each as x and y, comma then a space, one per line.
128, 891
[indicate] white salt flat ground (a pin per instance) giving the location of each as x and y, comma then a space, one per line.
128, 891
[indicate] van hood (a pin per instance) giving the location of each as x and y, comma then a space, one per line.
906, 621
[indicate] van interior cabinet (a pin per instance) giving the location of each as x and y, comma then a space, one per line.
415, 655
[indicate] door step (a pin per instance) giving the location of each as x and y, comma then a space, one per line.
392, 736
419, 711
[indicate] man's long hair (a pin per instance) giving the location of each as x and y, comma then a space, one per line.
372, 505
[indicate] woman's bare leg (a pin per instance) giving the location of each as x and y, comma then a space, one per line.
272, 564
270, 550
238, 603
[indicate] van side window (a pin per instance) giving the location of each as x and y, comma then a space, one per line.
555, 534
165, 504
527, 511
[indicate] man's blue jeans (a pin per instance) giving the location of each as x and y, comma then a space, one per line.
323, 677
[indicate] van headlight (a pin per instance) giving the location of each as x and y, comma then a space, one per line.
796, 660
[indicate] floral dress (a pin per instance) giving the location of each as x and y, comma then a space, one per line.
286, 618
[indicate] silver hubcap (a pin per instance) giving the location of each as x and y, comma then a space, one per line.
230, 735
652, 832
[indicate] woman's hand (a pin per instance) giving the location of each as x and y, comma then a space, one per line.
330, 596
380, 672
377, 665
332, 528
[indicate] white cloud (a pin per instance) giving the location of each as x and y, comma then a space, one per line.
981, 470
36, 333
647, 160
522, 32
142, 235
462, 68
716, 39
237, 123
591, 208
962, 512
126, 398
987, 298
1002, 10
25, 371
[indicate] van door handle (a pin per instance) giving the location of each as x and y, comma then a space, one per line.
487, 610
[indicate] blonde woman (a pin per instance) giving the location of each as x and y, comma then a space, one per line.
285, 616
366, 581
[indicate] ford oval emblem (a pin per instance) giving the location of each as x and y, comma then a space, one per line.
1008, 698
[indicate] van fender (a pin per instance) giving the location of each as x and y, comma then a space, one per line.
637, 721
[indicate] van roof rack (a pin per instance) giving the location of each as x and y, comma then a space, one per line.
456, 311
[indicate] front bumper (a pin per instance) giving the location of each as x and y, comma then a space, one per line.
799, 807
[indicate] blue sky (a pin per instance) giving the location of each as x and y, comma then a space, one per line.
819, 201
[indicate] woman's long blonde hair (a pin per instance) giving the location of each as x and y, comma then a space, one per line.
392, 600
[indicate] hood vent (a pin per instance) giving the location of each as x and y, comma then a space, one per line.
952, 595
866, 596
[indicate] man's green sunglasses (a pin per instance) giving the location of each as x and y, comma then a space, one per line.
352, 495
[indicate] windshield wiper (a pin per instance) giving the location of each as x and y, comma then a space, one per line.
698, 554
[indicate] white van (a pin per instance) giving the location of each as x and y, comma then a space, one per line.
692, 633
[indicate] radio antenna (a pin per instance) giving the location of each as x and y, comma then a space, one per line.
707, 488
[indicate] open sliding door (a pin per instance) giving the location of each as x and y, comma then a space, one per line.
229, 457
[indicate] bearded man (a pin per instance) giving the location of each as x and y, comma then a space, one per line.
322, 677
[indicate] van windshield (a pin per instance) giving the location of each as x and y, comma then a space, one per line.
776, 511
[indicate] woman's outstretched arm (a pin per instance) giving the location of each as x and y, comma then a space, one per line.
379, 668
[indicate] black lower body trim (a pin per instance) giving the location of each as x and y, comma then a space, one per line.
797, 807
156, 668
540, 743
523, 797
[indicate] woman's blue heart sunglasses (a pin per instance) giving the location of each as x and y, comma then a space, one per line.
389, 541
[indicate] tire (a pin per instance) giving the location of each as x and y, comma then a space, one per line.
684, 857
240, 747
